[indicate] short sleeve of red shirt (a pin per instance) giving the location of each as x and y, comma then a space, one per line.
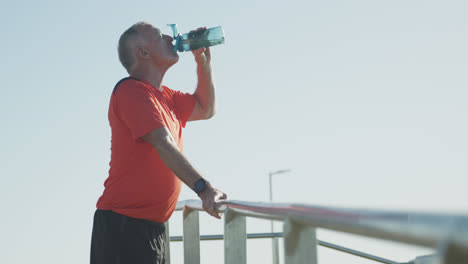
137, 108
184, 105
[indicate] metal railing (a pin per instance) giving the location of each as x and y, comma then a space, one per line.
446, 234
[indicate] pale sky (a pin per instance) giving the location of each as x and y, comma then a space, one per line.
365, 101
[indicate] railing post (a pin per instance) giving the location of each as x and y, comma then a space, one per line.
300, 243
449, 253
275, 248
167, 252
191, 236
235, 238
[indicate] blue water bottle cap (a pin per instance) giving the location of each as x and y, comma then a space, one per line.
174, 29
176, 35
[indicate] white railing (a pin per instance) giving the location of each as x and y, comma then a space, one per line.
446, 234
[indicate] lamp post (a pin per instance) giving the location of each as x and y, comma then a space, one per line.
274, 244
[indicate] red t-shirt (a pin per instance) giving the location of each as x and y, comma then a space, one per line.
140, 185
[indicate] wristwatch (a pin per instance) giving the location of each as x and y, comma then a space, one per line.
200, 186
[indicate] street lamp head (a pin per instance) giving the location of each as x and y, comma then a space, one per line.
280, 171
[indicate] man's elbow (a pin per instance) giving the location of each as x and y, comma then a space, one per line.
209, 113
160, 138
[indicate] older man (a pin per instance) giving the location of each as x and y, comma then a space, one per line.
147, 162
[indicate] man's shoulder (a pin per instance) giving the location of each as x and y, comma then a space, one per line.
128, 83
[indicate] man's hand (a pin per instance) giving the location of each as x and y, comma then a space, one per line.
202, 55
210, 196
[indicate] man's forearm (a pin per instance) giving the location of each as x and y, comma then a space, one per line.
163, 142
205, 92
177, 162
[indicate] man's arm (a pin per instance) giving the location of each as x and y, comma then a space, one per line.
205, 107
162, 141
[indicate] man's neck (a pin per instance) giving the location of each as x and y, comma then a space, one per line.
151, 74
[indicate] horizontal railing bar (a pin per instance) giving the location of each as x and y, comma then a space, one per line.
279, 234
221, 237
265, 235
356, 253
415, 228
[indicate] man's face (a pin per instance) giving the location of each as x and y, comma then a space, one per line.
159, 46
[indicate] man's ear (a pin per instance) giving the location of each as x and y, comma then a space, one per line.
142, 53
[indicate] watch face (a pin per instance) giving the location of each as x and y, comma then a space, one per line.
200, 186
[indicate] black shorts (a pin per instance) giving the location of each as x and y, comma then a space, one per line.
119, 239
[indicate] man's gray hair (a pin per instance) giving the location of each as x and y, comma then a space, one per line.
125, 48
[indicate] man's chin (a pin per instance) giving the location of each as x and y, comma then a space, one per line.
173, 60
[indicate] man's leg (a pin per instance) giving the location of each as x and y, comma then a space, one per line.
119, 239
105, 240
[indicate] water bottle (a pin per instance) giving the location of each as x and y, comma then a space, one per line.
197, 39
